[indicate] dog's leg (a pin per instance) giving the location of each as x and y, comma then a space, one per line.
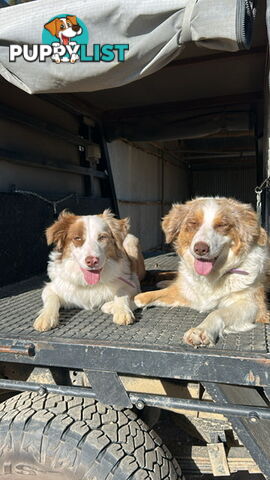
240, 316
121, 308
132, 247
263, 314
170, 296
49, 315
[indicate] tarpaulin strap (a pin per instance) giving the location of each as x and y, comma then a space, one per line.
186, 25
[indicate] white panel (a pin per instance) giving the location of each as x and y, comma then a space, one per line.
138, 178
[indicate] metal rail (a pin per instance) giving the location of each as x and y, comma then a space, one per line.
140, 400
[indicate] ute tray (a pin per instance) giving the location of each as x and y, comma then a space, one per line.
151, 346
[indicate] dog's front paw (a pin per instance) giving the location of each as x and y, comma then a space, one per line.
123, 318
140, 300
198, 337
45, 322
108, 307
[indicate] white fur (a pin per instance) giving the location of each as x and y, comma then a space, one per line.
208, 234
231, 294
68, 287
206, 292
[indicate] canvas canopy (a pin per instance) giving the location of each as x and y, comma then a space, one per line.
155, 32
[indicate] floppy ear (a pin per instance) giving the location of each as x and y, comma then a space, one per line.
51, 26
248, 225
57, 232
171, 223
72, 19
119, 228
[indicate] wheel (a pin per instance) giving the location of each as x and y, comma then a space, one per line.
71, 438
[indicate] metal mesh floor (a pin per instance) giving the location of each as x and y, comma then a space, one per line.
19, 304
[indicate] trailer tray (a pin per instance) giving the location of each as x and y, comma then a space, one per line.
151, 346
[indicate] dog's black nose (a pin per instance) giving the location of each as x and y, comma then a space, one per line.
201, 248
76, 28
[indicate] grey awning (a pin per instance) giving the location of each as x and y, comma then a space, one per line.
155, 31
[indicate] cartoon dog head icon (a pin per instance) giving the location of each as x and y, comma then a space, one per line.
64, 28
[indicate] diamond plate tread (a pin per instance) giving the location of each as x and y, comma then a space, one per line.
19, 304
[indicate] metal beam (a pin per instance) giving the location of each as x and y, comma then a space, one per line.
42, 162
252, 369
253, 412
261, 50
142, 110
42, 126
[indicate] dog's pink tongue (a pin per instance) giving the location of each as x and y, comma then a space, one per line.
65, 40
203, 267
91, 276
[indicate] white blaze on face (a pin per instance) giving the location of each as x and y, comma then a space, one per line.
208, 235
93, 227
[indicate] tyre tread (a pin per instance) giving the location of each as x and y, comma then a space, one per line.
63, 430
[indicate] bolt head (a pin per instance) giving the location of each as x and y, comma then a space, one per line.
42, 391
140, 404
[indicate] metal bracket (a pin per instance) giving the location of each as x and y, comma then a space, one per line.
218, 459
108, 386
251, 430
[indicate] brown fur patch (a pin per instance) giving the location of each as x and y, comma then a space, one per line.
260, 298
111, 248
57, 233
223, 223
190, 226
171, 223
119, 228
133, 250
245, 229
168, 296
76, 233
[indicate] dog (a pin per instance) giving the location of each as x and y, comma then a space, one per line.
65, 29
224, 256
96, 263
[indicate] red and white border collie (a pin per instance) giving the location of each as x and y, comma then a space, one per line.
96, 263
223, 265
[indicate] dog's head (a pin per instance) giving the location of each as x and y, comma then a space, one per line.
64, 28
90, 239
210, 233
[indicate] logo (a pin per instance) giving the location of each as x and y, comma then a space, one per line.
65, 39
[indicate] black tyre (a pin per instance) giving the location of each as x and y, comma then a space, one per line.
69, 438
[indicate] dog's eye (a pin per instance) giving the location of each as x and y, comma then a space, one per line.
62, 27
68, 24
192, 224
102, 237
222, 225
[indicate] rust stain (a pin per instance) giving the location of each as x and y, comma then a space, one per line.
27, 350
263, 361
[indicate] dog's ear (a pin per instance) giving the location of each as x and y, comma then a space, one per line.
57, 233
119, 228
171, 223
72, 19
248, 227
52, 26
